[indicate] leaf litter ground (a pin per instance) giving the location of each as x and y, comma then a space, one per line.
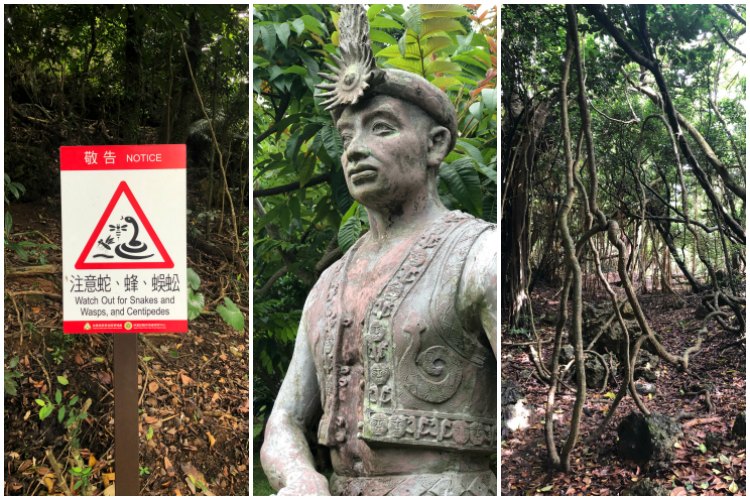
193, 406
596, 470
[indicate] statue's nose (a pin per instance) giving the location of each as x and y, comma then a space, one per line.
357, 151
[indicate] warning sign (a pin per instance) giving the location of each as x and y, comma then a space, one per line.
124, 241
124, 238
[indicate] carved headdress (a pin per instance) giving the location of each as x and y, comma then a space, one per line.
355, 76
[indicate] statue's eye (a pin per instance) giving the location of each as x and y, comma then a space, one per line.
383, 128
346, 139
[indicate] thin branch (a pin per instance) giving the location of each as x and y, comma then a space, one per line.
730, 10
215, 142
286, 188
728, 43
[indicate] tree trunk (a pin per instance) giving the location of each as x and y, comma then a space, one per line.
516, 215
131, 111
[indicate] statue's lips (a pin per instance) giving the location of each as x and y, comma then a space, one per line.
362, 173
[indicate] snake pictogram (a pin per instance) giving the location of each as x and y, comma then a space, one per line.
133, 248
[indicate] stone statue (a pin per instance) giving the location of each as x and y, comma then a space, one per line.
397, 342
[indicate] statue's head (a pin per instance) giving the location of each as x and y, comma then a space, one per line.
386, 117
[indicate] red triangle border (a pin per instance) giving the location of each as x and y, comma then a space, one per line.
123, 188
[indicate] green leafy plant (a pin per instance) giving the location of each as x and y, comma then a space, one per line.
228, 311
11, 374
83, 474
58, 344
15, 189
231, 314
196, 301
144, 471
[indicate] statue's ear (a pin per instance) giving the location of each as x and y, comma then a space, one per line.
440, 138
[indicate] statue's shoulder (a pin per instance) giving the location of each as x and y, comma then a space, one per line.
485, 231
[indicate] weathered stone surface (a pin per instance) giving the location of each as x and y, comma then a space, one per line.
646, 365
595, 372
648, 440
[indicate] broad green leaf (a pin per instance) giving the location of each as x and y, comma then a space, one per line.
413, 19
231, 314
374, 10
194, 281
11, 387
470, 149
283, 32
545, 488
463, 183
385, 23
268, 35
312, 24
350, 228
298, 25
62, 379
410, 65
442, 66
295, 70
331, 141
434, 44
40, 402
440, 10
149, 433
446, 82
382, 37
61, 414
476, 110
196, 301
45, 411
489, 99
438, 24
58, 396
473, 61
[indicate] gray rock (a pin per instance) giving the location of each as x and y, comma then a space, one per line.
648, 440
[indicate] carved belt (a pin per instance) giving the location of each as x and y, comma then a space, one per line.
444, 484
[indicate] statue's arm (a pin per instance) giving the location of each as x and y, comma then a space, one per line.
478, 290
285, 454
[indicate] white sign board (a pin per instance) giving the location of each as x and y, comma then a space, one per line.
123, 238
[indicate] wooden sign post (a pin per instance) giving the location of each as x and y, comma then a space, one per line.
124, 263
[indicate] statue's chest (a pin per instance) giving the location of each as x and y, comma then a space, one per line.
363, 281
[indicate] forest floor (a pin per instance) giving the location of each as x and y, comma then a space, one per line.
719, 365
193, 387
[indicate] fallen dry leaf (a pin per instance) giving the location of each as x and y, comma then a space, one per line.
185, 379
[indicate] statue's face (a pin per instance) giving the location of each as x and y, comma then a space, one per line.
385, 151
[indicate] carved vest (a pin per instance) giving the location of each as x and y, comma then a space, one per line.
428, 380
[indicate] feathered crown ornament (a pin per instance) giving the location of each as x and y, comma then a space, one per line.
355, 76
355, 70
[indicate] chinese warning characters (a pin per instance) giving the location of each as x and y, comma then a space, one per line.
124, 248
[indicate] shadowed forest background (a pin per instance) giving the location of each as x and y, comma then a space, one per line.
116, 74
303, 217
623, 249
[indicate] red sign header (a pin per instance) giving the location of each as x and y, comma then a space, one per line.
141, 157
